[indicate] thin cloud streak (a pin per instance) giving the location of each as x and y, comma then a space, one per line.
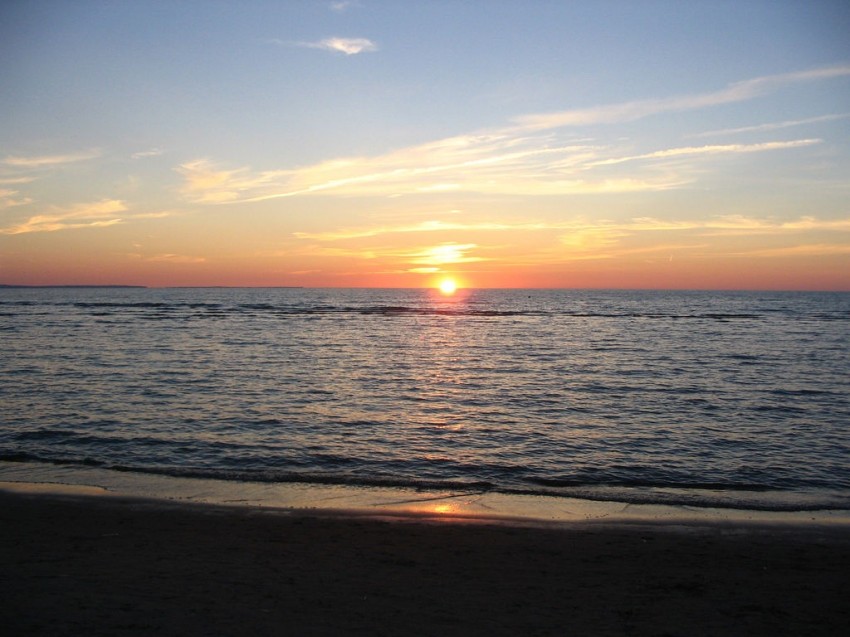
468, 163
524, 160
8, 199
624, 239
98, 214
12, 181
343, 5
485, 165
712, 150
578, 239
88, 215
425, 226
204, 183
630, 111
444, 254
804, 250
348, 46
49, 160
175, 258
772, 126
153, 152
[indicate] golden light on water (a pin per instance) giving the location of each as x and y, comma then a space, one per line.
448, 286
444, 509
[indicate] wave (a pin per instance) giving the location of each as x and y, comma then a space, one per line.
752, 497
626, 396
169, 309
655, 484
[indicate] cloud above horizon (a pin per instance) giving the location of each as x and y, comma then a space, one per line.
17, 161
536, 155
770, 126
348, 46
580, 239
638, 109
10, 199
96, 214
86, 215
343, 5
494, 164
711, 150
153, 152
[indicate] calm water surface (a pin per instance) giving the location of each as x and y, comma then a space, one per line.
706, 398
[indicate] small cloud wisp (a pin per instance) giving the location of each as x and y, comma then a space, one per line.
348, 46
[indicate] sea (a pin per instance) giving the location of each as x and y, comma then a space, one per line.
695, 398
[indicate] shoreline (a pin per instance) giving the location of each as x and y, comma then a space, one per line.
85, 563
388, 502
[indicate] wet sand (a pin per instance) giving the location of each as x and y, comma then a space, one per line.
74, 565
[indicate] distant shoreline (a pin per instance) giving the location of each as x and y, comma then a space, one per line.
41, 287
144, 287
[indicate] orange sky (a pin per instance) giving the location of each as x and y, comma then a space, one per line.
307, 145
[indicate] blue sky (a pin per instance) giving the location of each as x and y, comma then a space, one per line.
386, 143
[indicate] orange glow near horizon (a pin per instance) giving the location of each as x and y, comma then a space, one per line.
828, 273
730, 179
636, 256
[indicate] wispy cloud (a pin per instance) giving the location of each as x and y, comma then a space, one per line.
630, 111
348, 46
760, 128
444, 254
88, 215
531, 158
10, 199
12, 181
97, 214
647, 237
206, 183
484, 164
174, 258
471, 163
802, 250
415, 258
580, 239
153, 152
425, 226
724, 149
742, 224
18, 161
343, 5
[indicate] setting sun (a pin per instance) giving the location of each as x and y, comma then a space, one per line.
590, 183
448, 286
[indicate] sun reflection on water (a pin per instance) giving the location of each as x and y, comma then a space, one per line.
444, 509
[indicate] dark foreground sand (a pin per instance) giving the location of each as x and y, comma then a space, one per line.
103, 566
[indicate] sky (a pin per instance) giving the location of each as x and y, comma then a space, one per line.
367, 143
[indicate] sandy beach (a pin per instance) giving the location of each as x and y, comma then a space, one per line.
112, 566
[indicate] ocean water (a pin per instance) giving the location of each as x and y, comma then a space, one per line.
737, 399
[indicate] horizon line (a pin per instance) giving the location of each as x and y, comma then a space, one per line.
8, 286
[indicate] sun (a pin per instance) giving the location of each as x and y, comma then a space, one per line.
448, 286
